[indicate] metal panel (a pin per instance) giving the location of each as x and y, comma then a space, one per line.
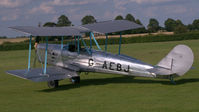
112, 26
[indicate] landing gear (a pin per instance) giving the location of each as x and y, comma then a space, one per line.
75, 80
53, 84
171, 79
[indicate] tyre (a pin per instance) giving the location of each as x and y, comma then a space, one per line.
53, 84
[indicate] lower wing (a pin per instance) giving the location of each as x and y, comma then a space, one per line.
36, 75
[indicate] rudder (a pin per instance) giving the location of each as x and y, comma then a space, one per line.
179, 60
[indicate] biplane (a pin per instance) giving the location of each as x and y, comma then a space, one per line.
69, 60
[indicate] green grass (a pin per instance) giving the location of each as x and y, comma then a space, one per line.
103, 92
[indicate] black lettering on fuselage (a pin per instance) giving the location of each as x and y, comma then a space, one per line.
104, 65
119, 67
127, 70
90, 62
115, 66
111, 65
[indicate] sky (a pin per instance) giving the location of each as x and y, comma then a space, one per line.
31, 12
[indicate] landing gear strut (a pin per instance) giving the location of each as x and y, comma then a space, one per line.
171, 79
53, 84
75, 80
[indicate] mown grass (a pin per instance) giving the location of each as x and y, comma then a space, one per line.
103, 92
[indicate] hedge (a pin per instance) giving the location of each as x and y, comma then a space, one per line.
141, 39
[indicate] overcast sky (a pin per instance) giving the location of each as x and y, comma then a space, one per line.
31, 12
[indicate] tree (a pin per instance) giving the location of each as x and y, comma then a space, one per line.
63, 21
180, 29
139, 30
153, 25
190, 27
196, 24
138, 22
119, 17
3, 37
170, 24
89, 19
49, 24
179, 23
130, 18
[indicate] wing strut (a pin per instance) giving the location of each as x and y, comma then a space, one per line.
62, 39
78, 47
106, 42
120, 42
91, 33
29, 55
46, 53
90, 43
75, 41
85, 45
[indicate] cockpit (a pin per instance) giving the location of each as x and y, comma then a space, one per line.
72, 47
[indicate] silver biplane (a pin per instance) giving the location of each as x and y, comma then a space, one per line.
69, 60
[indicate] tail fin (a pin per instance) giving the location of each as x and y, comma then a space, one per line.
178, 61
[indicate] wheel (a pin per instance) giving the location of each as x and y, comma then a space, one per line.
75, 80
53, 84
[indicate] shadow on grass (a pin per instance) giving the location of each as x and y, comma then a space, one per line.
118, 80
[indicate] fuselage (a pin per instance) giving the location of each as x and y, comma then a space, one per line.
97, 61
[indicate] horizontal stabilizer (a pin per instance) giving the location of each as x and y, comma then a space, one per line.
53, 73
161, 71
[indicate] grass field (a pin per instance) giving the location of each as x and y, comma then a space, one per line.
12, 40
103, 92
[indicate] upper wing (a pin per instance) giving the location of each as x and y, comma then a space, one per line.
112, 26
51, 31
100, 27
53, 73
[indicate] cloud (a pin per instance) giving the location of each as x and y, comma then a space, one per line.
67, 2
151, 11
13, 3
111, 15
74, 2
43, 7
175, 9
9, 17
10, 14
155, 11
78, 15
150, 1
50, 6
120, 4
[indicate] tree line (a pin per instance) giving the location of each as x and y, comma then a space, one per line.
3, 37
153, 26
171, 25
